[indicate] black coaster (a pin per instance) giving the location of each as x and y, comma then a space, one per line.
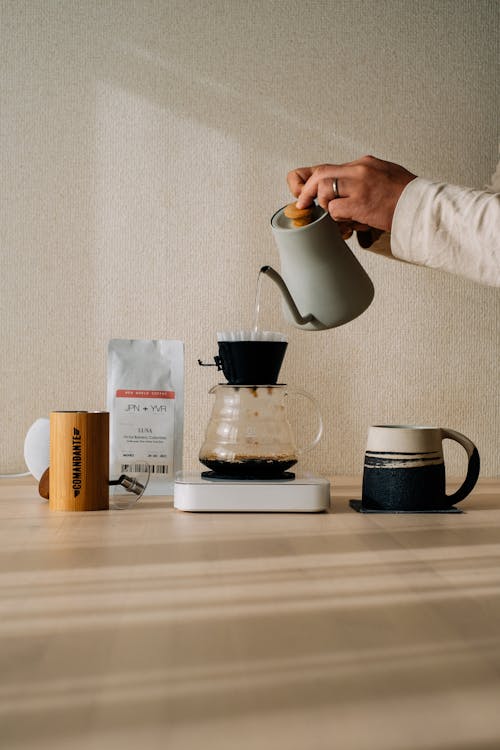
286, 476
357, 505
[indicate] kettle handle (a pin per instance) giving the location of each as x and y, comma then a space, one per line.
319, 433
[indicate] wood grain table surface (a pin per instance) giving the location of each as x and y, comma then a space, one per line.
152, 628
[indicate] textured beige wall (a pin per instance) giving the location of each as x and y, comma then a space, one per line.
145, 146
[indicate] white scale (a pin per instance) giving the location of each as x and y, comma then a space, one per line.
301, 494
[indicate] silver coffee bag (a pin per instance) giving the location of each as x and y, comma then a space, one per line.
145, 398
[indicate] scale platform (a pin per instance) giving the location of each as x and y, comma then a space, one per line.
300, 494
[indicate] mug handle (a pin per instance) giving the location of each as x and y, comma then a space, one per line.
472, 468
319, 432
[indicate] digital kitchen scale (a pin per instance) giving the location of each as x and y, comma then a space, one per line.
301, 494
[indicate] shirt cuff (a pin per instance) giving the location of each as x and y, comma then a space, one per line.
409, 205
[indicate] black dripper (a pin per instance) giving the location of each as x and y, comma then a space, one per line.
250, 362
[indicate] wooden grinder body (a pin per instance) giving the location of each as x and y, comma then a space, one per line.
79, 461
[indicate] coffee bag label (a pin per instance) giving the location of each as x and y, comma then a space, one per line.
144, 422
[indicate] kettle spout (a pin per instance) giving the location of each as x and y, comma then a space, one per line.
294, 311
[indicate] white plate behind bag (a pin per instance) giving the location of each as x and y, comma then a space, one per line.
37, 447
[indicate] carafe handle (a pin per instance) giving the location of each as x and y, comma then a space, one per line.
319, 432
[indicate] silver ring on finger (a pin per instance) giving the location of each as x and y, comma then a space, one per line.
335, 185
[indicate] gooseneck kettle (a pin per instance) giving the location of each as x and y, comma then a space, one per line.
322, 282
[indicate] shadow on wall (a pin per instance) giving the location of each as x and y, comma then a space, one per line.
100, 93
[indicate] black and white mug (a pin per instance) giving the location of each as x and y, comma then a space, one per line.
404, 469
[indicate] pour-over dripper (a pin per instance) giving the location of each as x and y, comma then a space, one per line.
250, 357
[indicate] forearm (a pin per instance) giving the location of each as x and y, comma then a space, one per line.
450, 228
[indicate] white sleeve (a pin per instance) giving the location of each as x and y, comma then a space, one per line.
448, 227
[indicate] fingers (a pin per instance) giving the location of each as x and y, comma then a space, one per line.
308, 183
351, 226
297, 178
366, 194
368, 237
341, 209
345, 229
320, 184
324, 193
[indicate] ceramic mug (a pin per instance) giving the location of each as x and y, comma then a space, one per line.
404, 469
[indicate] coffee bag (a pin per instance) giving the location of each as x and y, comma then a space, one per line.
145, 398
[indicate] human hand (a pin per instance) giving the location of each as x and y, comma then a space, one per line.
368, 190
297, 178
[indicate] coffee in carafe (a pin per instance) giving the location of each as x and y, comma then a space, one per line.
245, 467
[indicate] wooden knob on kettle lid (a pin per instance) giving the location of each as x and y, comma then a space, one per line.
300, 216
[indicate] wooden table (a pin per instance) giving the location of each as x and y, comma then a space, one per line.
151, 628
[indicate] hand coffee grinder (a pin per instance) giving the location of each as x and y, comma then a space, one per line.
249, 446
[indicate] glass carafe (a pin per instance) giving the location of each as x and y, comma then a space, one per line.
249, 435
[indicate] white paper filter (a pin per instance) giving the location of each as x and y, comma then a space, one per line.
250, 336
